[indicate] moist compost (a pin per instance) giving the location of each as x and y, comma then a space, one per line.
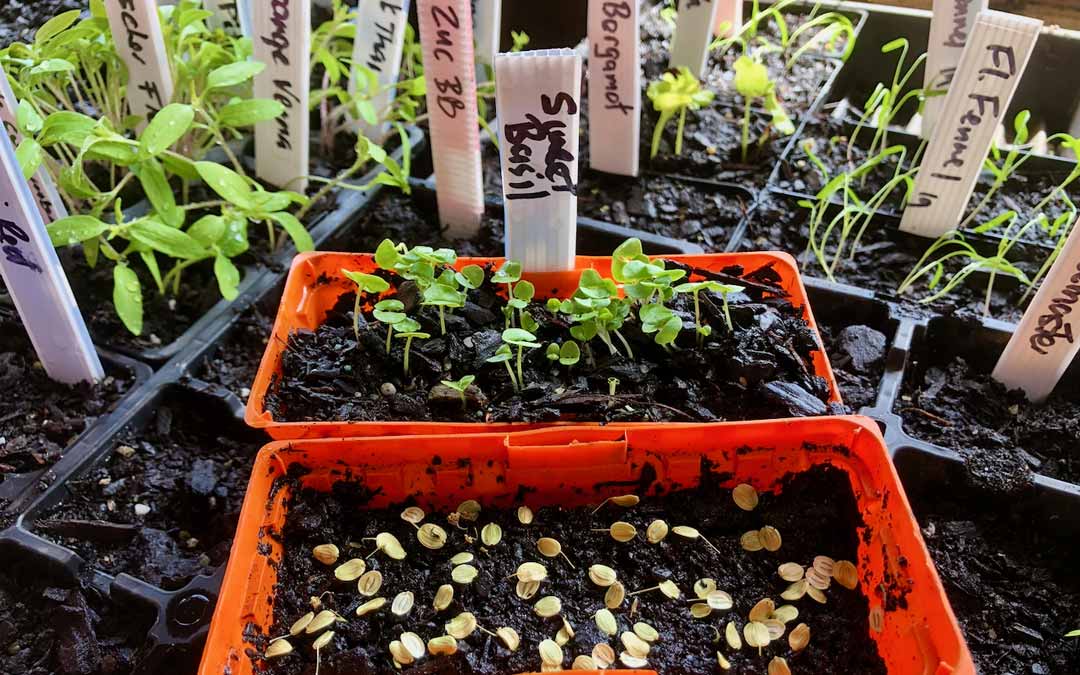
235, 362
42, 417
19, 19
1000, 434
857, 356
815, 512
164, 506
760, 370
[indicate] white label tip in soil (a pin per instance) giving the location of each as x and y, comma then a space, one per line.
1045, 341
998, 50
729, 18
37, 284
136, 30
281, 33
450, 74
537, 94
614, 87
693, 34
949, 28
377, 47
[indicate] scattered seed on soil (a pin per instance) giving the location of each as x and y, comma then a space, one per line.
389, 544
462, 558
461, 626
722, 661
300, 624
621, 531
786, 613
413, 514
770, 538
631, 661
414, 644
491, 535
656, 532
602, 575
799, 637
817, 579
431, 536
816, 594
762, 610
603, 655
634, 645
756, 634
702, 587
606, 622
443, 597
442, 646
373, 605
322, 621
526, 590
351, 570
583, 662
719, 600
547, 606
551, 653
531, 571
796, 590
370, 583
646, 632
670, 589
731, 634
790, 571
776, 629
322, 640
548, 547
327, 554
745, 496
278, 648
510, 638
700, 610
524, 515
464, 574
625, 501
751, 541
824, 565
400, 653
615, 595
846, 574
686, 531
403, 603
469, 510
778, 666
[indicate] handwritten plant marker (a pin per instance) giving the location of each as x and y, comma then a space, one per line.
282, 40
450, 75
999, 48
41, 184
380, 37
231, 16
728, 18
614, 86
36, 281
949, 29
136, 30
1045, 341
537, 93
693, 34
487, 29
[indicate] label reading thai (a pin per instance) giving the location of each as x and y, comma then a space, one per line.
1045, 341
281, 33
693, 34
136, 30
998, 50
449, 72
380, 36
614, 86
949, 28
231, 16
41, 184
537, 96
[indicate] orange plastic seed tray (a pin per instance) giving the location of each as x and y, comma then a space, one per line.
315, 283
577, 465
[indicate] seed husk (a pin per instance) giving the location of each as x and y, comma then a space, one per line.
686, 531
431, 536
702, 587
403, 603
322, 621
469, 510
796, 590
719, 600
770, 538
548, 547
278, 648
824, 564
370, 583
565, 634
491, 535
646, 632
524, 515
413, 514
877, 619
603, 655
602, 575
373, 605
462, 558
786, 613
731, 634
527, 589
510, 638
583, 662
776, 628
547, 606
751, 541
656, 532
622, 531
790, 571
816, 594
463, 574
400, 654
322, 640
762, 610
351, 570
700, 610
745, 496
625, 501
631, 661
531, 571
413, 644
551, 653
461, 626
443, 597
779, 666
606, 622
389, 544
846, 574
668, 588
799, 637
615, 595
817, 579
300, 624
756, 634
722, 661
327, 554
444, 645
634, 645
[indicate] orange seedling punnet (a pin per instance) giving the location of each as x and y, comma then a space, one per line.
910, 620
316, 282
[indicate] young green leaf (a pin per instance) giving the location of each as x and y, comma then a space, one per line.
127, 297
233, 74
29, 156
295, 229
367, 283
207, 230
229, 185
245, 113
168, 240
167, 127
228, 277
74, 229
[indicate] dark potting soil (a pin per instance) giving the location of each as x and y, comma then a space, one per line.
20, 19
815, 513
41, 417
236, 360
1000, 434
761, 370
1012, 585
857, 356
884, 258
188, 469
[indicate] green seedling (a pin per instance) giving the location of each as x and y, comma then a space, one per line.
460, 386
675, 93
1003, 166
522, 339
661, 322
391, 312
641, 278
509, 273
409, 332
885, 102
596, 310
365, 283
567, 354
504, 355
443, 296
696, 287
523, 295
753, 83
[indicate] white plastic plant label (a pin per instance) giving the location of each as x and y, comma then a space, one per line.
728, 18
136, 30
380, 37
614, 86
230, 16
949, 29
537, 94
41, 184
281, 33
998, 50
450, 75
693, 34
1045, 341
37, 283
487, 31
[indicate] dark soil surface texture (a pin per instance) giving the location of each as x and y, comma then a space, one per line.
20, 19
164, 506
883, 260
41, 417
857, 356
236, 360
815, 512
1010, 579
761, 370
1001, 435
